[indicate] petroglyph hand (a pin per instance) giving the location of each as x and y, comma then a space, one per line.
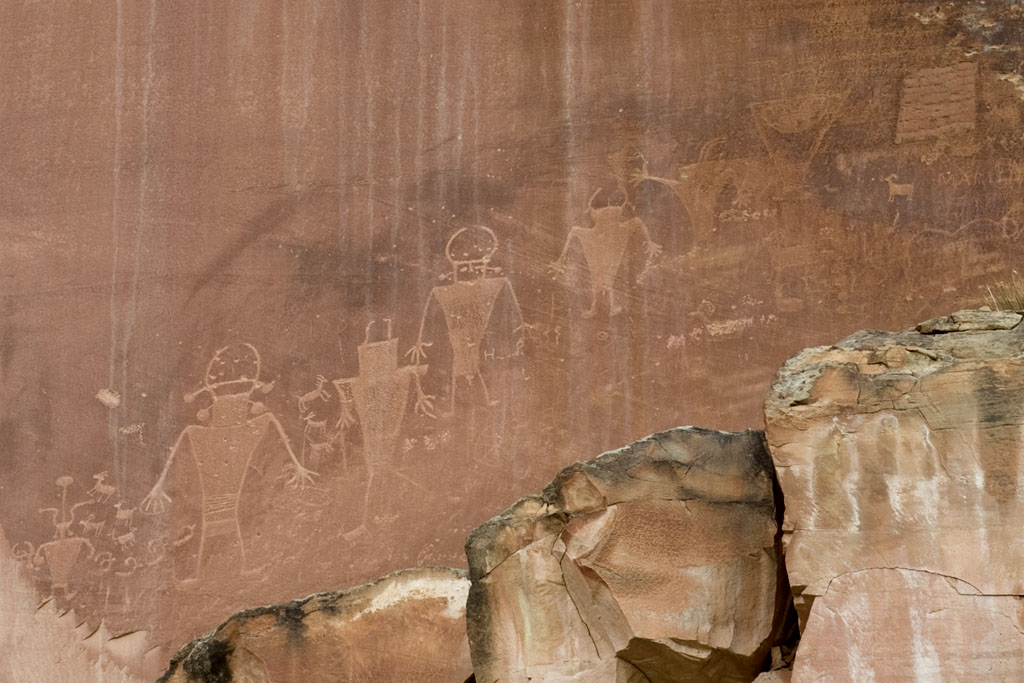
424, 403
653, 249
417, 352
156, 501
298, 476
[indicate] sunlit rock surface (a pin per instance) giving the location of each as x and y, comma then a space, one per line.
407, 626
39, 644
900, 458
910, 625
657, 562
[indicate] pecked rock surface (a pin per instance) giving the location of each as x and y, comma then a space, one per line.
900, 458
407, 626
656, 562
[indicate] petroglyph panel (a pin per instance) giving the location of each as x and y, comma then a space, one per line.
299, 295
938, 101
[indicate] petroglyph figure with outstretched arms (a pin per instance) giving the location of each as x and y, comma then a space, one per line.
468, 306
604, 248
223, 454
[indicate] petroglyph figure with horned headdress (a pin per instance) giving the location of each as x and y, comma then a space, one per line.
604, 248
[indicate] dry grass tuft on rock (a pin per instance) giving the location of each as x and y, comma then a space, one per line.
1007, 295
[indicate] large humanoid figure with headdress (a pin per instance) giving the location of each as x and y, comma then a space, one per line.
468, 305
240, 440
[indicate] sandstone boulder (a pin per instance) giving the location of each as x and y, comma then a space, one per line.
657, 562
900, 458
407, 626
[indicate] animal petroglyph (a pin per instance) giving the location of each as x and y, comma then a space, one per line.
92, 527
124, 514
898, 189
101, 491
604, 248
699, 185
468, 305
223, 452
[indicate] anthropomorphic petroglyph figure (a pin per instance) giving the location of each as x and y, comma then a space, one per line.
377, 398
223, 452
379, 393
62, 553
604, 248
792, 130
468, 305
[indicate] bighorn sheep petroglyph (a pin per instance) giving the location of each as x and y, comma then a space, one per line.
899, 189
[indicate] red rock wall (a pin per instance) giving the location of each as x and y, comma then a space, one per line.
270, 178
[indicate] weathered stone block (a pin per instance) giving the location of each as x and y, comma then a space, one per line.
657, 562
407, 626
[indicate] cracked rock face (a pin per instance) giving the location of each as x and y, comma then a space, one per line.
900, 458
657, 562
909, 625
407, 626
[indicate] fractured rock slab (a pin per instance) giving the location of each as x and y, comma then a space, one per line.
657, 562
407, 626
901, 451
936, 629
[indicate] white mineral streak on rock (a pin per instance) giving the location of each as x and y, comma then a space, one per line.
421, 588
406, 626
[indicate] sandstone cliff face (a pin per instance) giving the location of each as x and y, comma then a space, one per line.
407, 626
662, 201
657, 562
900, 456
